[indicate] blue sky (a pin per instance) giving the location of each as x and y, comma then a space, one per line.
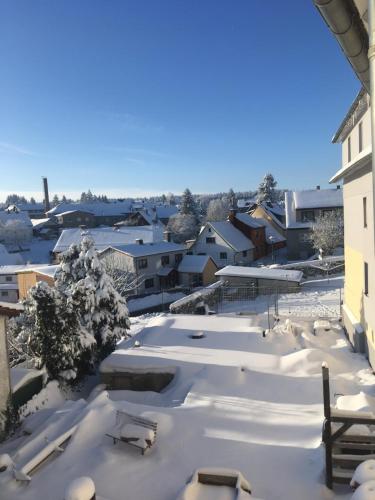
142, 97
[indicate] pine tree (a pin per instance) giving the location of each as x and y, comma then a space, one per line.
188, 205
232, 199
63, 199
55, 200
32, 201
266, 191
57, 339
102, 310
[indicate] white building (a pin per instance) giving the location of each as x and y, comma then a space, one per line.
224, 243
105, 237
154, 265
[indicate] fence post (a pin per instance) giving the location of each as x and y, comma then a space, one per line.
327, 431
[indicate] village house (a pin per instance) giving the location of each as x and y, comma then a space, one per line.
197, 270
273, 213
101, 213
224, 243
29, 276
153, 265
76, 218
303, 208
104, 237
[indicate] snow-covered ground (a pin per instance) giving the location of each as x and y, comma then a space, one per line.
238, 400
317, 298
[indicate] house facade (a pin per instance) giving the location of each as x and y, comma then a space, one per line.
224, 243
153, 265
76, 218
303, 208
273, 213
197, 270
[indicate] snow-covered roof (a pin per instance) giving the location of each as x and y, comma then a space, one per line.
68, 212
249, 220
14, 269
7, 258
96, 208
318, 198
8, 217
31, 207
232, 236
40, 222
261, 272
193, 263
275, 208
46, 270
272, 235
244, 203
142, 250
105, 237
309, 199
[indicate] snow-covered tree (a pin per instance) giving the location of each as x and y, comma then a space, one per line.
49, 333
188, 204
102, 310
217, 210
328, 232
55, 200
266, 190
183, 227
171, 199
232, 199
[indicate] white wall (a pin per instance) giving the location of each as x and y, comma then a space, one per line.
214, 249
354, 139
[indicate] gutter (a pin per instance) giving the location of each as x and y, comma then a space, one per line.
343, 20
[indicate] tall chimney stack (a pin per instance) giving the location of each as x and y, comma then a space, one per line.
46, 195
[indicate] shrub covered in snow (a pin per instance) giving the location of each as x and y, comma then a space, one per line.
328, 232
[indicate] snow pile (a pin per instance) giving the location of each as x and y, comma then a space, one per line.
82, 488
363, 473
365, 492
49, 397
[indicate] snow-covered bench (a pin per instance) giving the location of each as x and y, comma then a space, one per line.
134, 430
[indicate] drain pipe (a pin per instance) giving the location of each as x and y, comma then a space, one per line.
371, 57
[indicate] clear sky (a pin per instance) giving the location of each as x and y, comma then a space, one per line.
148, 96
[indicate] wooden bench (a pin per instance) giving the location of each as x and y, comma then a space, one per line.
126, 419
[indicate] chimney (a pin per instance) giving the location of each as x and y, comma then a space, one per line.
338, 186
318, 187
139, 241
46, 195
167, 236
232, 214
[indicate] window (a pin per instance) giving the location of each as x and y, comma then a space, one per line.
360, 137
223, 255
142, 263
307, 216
78, 219
178, 258
4, 293
244, 253
349, 150
164, 260
366, 279
210, 239
200, 253
149, 283
304, 238
364, 211
8, 278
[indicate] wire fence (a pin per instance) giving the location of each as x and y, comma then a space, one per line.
311, 300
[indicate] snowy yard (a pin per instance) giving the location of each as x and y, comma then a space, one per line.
237, 400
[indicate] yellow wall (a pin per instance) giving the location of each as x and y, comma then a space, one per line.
27, 280
354, 282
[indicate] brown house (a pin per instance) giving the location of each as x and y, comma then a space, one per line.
76, 218
252, 229
30, 277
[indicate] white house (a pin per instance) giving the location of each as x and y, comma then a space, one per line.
105, 237
224, 243
302, 210
154, 265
